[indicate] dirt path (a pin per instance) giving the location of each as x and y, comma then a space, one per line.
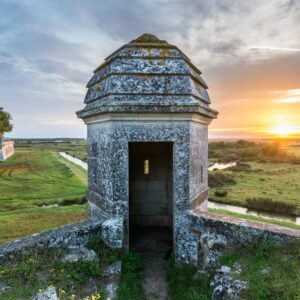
154, 244
154, 277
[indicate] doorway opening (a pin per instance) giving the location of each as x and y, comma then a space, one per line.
151, 196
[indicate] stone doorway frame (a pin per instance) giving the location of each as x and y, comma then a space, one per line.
128, 225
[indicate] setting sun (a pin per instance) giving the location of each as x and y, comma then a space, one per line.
282, 130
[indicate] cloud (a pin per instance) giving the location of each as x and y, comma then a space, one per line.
49, 49
287, 96
273, 48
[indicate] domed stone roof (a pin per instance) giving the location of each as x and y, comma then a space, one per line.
147, 75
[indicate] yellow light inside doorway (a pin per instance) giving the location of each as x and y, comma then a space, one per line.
146, 167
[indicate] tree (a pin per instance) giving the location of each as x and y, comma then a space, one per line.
5, 124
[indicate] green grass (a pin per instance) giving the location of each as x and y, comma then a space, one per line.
79, 172
185, 283
39, 270
20, 223
279, 181
282, 282
74, 147
36, 177
255, 218
130, 285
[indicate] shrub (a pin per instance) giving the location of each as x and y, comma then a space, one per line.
67, 202
268, 204
219, 179
221, 193
240, 166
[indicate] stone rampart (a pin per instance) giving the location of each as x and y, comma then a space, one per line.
75, 234
207, 235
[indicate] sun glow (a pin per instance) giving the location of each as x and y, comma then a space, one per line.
282, 130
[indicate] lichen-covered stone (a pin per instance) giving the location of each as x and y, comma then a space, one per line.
224, 286
113, 270
112, 233
4, 288
145, 75
111, 290
81, 253
48, 294
76, 234
214, 233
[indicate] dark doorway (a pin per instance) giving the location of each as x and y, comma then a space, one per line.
150, 195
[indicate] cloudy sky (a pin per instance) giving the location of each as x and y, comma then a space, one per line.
248, 51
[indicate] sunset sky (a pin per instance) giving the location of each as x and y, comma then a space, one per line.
248, 52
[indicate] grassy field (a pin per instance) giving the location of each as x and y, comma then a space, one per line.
267, 174
37, 176
74, 147
18, 223
278, 181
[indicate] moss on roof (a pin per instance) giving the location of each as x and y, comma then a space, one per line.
148, 38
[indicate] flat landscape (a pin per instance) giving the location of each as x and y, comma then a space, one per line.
40, 189
266, 175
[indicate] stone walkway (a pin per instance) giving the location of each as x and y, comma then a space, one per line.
154, 244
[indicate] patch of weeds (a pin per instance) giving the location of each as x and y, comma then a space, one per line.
38, 270
273, 271
220, 193
130, 285
240, 166
73, 201
107, 255
76, 273
268, 204
219, 179
185, 283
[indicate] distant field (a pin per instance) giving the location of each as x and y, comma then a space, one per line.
279, 181
75, 147
35, 176
267, 172
293, 149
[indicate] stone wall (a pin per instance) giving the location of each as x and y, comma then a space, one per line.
76, 234
108, 165
198, 162
201, 237
207, 235
6, 149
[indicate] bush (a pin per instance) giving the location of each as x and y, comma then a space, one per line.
67, 202
268, 204
221, 193
246, 151
241, 167
219, 179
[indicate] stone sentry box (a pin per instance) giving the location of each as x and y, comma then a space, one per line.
148, 91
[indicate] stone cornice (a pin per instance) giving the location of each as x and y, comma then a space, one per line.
147, 118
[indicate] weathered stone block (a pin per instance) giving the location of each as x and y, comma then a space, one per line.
112, 233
